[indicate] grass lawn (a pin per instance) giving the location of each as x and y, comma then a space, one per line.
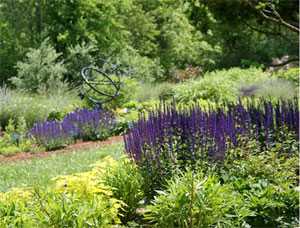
38, 171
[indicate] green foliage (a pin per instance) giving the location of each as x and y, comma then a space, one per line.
217, 86
14, 139
38, 208
195, 200
229, 85
245, 36
72, 210
142, 68
268, 183
291, 75
17, 34
275, 88
125, 119
156, 36
40, 70
55, 115
79, 56
126, 184
153, 91
247, 190
72, 201
35, 108
257, 190
179, 42
127, 88
109, 35
39, 172
130, 112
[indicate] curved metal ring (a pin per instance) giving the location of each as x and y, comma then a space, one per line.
86, 71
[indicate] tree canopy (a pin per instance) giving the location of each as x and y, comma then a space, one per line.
170, 33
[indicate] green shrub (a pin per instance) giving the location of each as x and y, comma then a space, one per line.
291, 75
141, 67
14, 139
151, 91
248, 189
72, 210
40, 70
55, 115
79, 56
229, 85
195, 200
126, 184
35, 108
47, 208
268, 183
129, 113
7, 149
124, 119
217, 86
271, 88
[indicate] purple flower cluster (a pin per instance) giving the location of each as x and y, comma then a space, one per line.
50, 134
88, 124
80, 124
190, 135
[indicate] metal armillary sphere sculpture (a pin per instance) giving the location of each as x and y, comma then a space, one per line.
102, 81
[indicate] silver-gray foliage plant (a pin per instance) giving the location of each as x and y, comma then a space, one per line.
41, 69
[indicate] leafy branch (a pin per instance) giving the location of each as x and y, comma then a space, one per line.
269, 12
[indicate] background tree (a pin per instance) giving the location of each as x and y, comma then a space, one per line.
246, 36
171, 34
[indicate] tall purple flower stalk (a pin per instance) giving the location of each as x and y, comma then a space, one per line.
191, 135
50, 134
81, 124
88, 124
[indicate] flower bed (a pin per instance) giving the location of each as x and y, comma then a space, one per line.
198, 133
81, 124
171, 138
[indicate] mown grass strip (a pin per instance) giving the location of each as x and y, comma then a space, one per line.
39, 171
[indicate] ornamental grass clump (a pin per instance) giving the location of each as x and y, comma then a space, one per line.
171, 138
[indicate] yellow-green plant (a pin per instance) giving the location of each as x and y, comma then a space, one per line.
125, 181
14, 139
194, 200
78, 200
